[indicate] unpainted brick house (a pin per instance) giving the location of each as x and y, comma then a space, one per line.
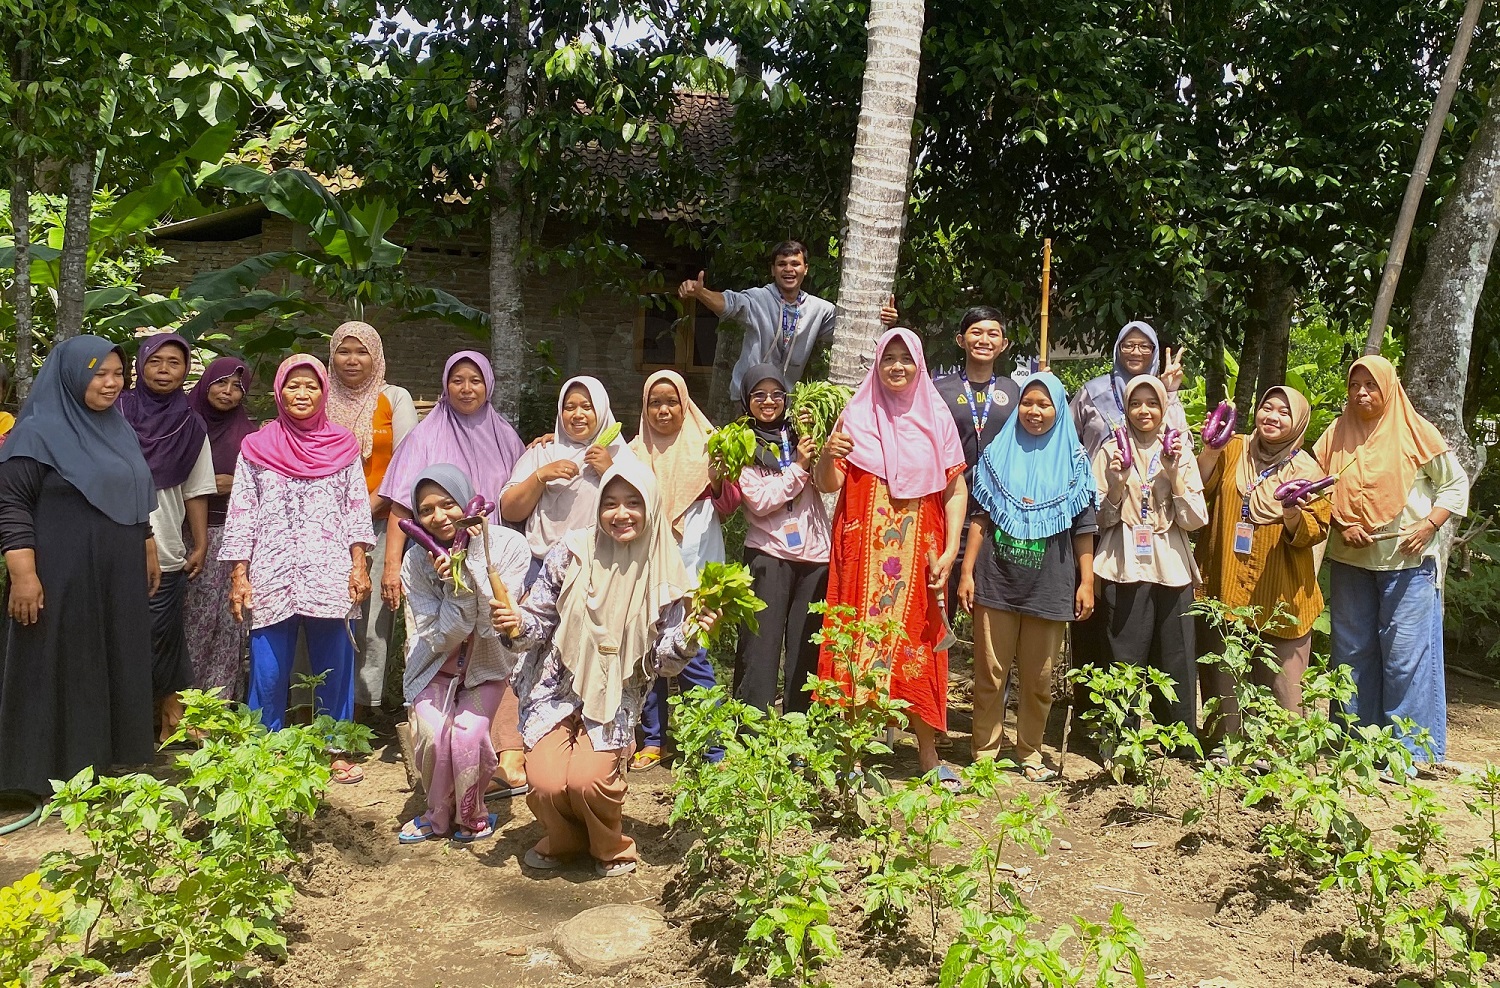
611, 337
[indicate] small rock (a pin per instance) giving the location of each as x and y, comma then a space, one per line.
1063, 845
1141, 845
604, 939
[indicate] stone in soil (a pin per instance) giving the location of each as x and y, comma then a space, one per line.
605, 939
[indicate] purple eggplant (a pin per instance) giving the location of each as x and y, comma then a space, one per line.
1122, 440
1170, 442
420, 536
1303, 490
1219, 426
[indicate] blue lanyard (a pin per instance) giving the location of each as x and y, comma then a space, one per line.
1152, 469
988, 396
1245, 504
791, 315
786, 450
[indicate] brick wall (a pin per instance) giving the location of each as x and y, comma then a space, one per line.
598, 338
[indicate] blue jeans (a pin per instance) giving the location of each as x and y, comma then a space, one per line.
1388, 629
330, 650
698, 672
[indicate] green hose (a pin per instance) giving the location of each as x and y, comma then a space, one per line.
25, 799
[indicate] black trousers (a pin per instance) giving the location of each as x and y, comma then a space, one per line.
1147, 624
785, 626
171, 668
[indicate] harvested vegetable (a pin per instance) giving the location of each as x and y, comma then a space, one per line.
1218, 428
607, 436
1122, 440
726, 588
1171, 442
1303, 490
822, 402
455, 554
731, 449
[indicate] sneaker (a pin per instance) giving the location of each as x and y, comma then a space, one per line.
613, 869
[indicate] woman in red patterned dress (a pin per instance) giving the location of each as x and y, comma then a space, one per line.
896, 459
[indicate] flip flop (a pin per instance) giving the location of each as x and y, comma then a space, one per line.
948, 779
541, 862
499, 790
645, 761
470, 836
421, 823
348, 776
1039, 773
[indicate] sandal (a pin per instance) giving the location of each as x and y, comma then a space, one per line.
613, 869
500, 790
349, 774
645, 760
463, 836
424, 831
1039, 773
541, 862
948, 779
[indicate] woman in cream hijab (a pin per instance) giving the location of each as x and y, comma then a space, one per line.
1398, 484
606, 616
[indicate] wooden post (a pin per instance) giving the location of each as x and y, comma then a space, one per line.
1046, 298
1418, 181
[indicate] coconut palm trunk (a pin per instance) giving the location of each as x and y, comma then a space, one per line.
875, 212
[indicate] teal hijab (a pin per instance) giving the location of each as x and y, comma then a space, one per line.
1034, 486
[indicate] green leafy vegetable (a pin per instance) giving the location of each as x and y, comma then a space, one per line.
731, 449
821, 403
728, 589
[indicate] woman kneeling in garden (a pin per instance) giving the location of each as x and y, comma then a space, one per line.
604, 619
456, 665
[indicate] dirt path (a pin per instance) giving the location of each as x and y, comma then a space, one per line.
373, 913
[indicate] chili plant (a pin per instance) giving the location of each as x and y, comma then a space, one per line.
1134, 745
195, 871
998, 951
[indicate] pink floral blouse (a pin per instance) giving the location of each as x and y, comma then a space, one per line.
296, 534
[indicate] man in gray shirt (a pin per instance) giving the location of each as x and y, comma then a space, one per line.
783, 324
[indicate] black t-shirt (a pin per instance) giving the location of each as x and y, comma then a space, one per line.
1006, 395
1037, 577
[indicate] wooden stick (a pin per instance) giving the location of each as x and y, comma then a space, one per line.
1046, 298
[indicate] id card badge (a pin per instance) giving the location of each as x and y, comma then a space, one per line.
791, 533
1244, 534
1142, 535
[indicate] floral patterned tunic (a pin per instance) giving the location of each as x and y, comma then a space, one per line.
296, 535
879, 566
544, 685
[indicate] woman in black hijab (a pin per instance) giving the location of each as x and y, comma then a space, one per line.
75, 496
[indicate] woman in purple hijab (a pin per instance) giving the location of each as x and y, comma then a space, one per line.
465, 430
174, 440
214, 639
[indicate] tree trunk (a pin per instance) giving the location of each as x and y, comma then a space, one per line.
73, 266
507, 330
1441, 333
879, 173
20, 300
1278, 300
1244, 385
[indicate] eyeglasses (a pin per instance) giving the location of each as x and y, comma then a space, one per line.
764, 396
1137, 348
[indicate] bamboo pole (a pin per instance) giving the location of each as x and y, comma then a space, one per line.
1046, 297
1407, 218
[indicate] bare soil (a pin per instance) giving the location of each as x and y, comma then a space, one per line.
1214, 912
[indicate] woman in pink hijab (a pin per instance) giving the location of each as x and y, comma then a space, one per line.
296, 533
896, 460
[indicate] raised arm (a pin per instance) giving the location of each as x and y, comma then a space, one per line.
698, 290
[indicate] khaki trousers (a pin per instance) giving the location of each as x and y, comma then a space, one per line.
1003, 639
578, 794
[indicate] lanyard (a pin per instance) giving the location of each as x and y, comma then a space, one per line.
786, 449
1245, 504
790, 316
988, 396
1152, 469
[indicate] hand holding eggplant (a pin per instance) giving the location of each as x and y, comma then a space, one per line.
1218, 428
1171, 445
1303, 492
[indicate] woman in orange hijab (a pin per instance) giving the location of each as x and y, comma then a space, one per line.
1398, 484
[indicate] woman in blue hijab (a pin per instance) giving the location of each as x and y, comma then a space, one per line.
1028, 566
75, 496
